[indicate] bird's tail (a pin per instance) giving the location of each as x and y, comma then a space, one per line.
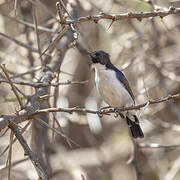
134, 126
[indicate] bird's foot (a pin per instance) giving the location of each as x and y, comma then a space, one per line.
100, 111
117, 113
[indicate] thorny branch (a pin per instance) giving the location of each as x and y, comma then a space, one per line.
26, 114
110, 110
129, 15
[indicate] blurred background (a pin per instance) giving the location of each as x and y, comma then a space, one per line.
146, 51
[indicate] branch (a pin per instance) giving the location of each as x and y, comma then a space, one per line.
58, 132
129, 15
29, 111
3, 167
14, 140
28, 24
60, 13
30, 48
108, 110
28, 152
37, 32
29, 71
156, 146
41, 84
53, 44
12, 85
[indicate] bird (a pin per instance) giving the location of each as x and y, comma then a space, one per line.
114, 88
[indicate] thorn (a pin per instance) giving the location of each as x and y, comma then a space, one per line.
89, 17
95, 21
139, 19
111, 24
129, 14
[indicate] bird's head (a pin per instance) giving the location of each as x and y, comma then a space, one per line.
99, 57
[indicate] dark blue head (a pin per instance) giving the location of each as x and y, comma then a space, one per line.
100, 57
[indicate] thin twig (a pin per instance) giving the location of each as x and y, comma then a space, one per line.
58, 132
63, 5
30, 71
15, 7
56, 96
59, 126
53, 44
3, 167
60, 13
12, 85
30, 48
3, 133
37, 33
10, 155
20, 21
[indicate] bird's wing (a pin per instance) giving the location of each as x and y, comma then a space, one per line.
125, 83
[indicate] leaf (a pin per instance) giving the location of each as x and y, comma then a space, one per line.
13, 99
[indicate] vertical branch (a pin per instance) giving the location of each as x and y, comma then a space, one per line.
10, 155
56, 96
40, 139
37, 34
15, 7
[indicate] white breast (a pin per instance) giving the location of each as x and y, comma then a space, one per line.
110, 88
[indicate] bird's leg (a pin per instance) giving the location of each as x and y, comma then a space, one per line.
117, 113
100, 110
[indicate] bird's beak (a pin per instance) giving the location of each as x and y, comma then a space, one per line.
92, 54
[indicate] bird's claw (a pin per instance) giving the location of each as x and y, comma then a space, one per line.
116, 109
100, 111
117, 113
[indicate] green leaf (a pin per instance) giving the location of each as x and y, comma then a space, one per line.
13, 99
